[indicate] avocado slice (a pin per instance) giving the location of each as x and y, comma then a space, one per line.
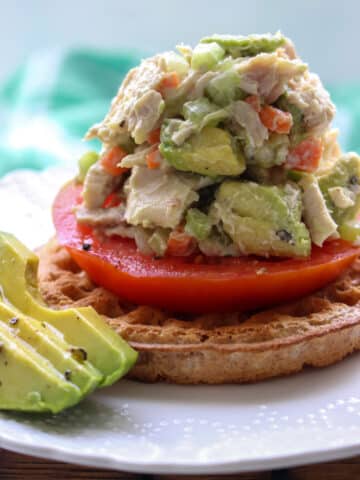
39, 387
82, 327
341, 182
241, 46
210, 152
261, 219
44, 339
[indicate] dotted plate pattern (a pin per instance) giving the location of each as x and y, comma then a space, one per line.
310, 417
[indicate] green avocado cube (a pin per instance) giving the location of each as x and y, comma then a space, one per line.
261, 219
210, 152
198, 224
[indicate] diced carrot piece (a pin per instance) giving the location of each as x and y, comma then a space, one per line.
275, 119
111, 159
112, 200
154, 136
254, 101
170, 80
306, 155
153, 159
180, 244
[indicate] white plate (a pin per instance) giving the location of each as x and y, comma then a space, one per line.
310, 417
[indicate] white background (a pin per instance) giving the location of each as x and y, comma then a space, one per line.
326, 32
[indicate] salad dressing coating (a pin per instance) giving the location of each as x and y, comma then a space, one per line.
224, 149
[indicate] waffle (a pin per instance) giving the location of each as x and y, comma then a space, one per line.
316, 331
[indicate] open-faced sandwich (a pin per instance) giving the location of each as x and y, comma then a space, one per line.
216, 230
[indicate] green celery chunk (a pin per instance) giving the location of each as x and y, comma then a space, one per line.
224, 88
206, 56
85, 162
202, 113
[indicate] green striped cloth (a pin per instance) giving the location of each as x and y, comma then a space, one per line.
49, 103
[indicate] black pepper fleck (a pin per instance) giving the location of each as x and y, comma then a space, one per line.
79, 354
13, 321
285, 236
354, 180
67, 375
86, 246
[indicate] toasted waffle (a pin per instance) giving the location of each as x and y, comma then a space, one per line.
316, 331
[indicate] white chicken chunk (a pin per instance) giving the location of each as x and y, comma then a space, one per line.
98, 184
316, 215
249, 119
271, 72
137, 106
157, 198
101, 217
309, 95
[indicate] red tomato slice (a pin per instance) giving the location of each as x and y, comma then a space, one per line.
181, 284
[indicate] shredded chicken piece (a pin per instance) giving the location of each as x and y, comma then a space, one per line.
309, 95
101, 217
185, 87
201, 84
157, 198
122, 230
248, 118
287, 50
271, 72
137, 158
98, 184
181, 135
137, 106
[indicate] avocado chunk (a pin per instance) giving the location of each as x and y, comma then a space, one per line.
262, 220
69, 360
350, 231
241, 46
81, 327
198, 224
28, 381
210, 152
341, 188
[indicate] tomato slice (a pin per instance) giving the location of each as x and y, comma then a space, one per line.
180, 284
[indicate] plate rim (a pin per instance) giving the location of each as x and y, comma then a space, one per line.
110, 462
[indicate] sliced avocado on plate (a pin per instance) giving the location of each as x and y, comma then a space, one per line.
76, 344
